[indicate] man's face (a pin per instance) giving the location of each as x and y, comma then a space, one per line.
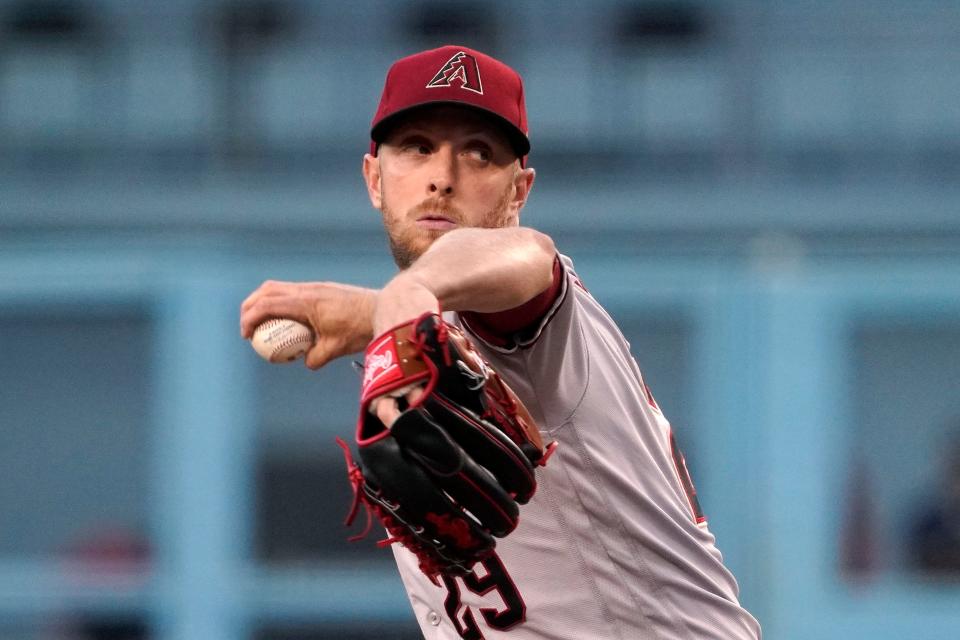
442, 168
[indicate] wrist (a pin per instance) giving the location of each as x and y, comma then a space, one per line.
401, 300
368, 306
412, 279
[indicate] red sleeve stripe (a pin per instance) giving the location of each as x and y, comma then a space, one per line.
498, 328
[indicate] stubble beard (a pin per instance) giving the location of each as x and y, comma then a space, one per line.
406, 250
409, 243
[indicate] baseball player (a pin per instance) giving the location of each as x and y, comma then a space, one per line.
613, 544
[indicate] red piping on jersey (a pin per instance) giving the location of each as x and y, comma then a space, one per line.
686, 482
497, 328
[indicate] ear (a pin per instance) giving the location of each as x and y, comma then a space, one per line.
371, 176
523, 183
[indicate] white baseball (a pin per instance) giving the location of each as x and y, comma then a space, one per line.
281, 340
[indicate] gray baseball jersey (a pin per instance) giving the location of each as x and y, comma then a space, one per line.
613, 544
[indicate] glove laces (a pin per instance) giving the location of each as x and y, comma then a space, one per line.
396, 530
355, 475
419, 339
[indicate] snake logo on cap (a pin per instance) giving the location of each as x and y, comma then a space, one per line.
462, 67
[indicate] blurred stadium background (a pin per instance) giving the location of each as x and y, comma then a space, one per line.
764, 194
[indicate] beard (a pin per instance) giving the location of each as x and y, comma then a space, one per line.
406, 250
408, 242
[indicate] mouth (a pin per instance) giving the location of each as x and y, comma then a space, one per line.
433, 221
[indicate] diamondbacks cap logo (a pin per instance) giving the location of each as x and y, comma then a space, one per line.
461, 67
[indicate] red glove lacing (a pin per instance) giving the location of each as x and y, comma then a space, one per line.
398, 532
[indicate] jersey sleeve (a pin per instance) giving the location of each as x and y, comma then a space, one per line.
521, 325
546, 361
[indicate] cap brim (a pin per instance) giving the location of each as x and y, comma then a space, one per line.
518, 140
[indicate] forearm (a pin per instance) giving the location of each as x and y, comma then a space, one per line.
485, 270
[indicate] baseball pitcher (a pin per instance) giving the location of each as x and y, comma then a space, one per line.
529, 484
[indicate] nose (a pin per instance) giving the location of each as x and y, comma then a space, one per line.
443, 174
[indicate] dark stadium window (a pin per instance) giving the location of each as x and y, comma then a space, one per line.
75, 452
662, 23
246, 30
76, 457
107, 628
247, 26
907, 418
302, 491
301, 505
469, 24
54, 61
48, 21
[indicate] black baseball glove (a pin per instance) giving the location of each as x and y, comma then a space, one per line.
449, 474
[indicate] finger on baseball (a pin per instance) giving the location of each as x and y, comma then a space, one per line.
268, 287
249, 318
271, 289
272, 307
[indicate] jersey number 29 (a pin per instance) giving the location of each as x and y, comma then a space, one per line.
496, 578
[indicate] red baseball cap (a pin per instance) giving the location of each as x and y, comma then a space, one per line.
454, 75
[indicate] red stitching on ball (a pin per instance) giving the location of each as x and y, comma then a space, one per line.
291, 341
